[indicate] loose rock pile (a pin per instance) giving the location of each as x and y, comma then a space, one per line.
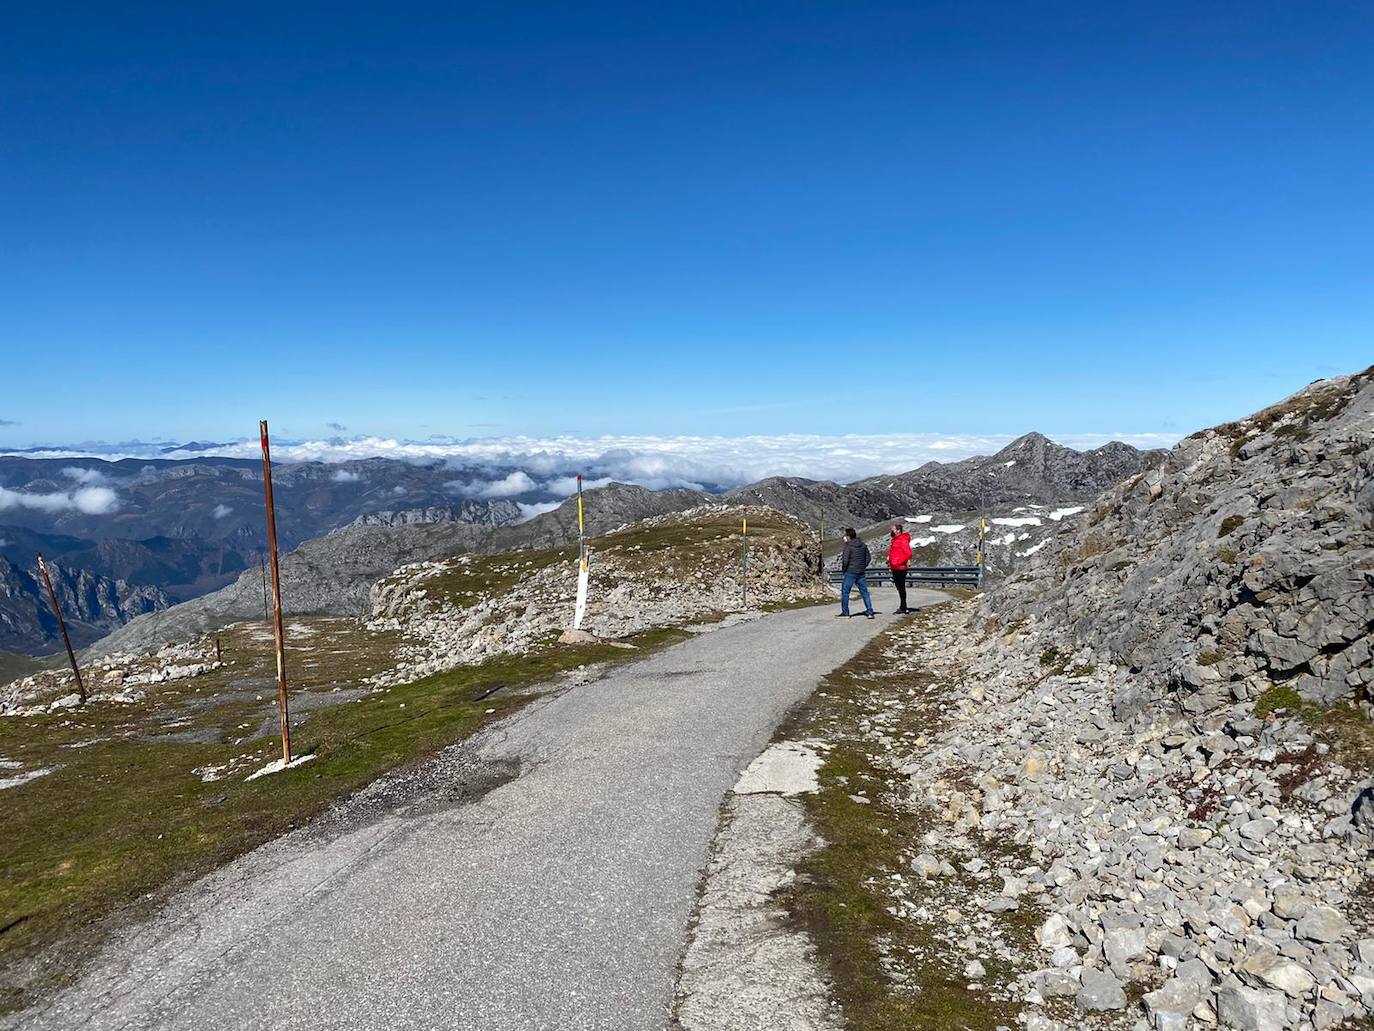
114, 678
1213, 864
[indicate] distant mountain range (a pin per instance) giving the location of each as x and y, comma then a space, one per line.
191, 530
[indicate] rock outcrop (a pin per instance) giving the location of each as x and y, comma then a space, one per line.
1243, 562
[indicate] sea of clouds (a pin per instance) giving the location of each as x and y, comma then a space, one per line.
521, 465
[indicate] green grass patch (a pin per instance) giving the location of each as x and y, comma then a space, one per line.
1282, 698
1229, 525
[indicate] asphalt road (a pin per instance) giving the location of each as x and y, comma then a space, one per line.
558, 900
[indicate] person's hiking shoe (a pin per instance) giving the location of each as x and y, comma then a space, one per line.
842, 615
870, 615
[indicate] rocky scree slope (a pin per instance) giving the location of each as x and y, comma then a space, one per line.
1241, 563
667, 570
1180, 871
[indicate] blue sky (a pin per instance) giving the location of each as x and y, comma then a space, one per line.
744, 218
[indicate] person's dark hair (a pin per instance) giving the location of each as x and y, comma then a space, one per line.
849, 532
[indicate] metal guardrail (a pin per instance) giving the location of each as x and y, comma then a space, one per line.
946, 576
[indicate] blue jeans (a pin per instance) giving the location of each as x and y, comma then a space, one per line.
850, 581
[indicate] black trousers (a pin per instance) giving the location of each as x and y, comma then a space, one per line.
899, 582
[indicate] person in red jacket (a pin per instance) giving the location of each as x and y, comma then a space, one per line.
898, 559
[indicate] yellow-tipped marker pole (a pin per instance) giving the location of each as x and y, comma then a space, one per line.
744, 535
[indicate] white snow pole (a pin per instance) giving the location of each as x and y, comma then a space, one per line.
580, 608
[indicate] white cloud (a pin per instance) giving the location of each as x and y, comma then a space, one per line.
221, 511
566, 486
528, 512
39, 502
95, 500
517, 482
654, 462
346, 476
90, 500
80, 475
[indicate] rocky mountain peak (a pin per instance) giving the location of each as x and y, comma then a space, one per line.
1027, 443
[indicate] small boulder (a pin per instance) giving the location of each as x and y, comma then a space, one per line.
571, 636
1290, 903
1122, 945
1250, 1009
1101, 990
1193, 837
926, 865
1278, 972
1054, 933
1323, 924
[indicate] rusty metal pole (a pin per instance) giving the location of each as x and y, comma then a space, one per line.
277, 630
62, 625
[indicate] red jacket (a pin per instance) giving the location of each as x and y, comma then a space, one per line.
899, 551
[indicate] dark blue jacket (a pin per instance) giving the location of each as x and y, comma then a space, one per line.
855, 557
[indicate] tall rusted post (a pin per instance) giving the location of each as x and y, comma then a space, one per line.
62, 625
277, 630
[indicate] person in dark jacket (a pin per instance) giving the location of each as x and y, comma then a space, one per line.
898, 559
853, 562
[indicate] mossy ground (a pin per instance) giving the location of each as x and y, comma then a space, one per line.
891, 971
124, 818
1345, 728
